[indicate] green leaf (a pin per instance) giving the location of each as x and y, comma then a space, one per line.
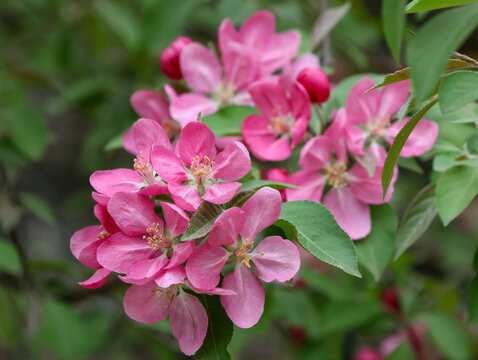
393, 22
449, 336
219, 331
456, 188
426, 5
115, 143
398, 143
9, 259
410, 164
375, 251
228, 120
457, 90
324, 283
38, 206
319, 234
416, 219
12, 319
257, 184
472, 298
402, 352
202, 221
430, 50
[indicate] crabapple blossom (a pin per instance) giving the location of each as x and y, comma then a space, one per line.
316, 83
292, 69
169, 59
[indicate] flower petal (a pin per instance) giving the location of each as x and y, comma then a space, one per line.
176, 219
144, 271
246, 307
281, 49
168, 166
362, 107
150, 105
147, 134
226, 34
96, 280
170, 276
270, 99
146, 303
232, 163
241, 65
205, 265
102, 214
83, 238
227, 226
300, 102
181, 253
393, 96
186, 108
311, 184
291, 71
276, 259
185, 196
258, 29
109, 182
196, 139
221, 193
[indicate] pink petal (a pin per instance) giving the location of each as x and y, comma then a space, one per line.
276, 259
83, 238
144, 271
147, 134
226, 228
133, 213
96, 280
128, 141
88, 255
246, 307
185, 196
168, 166
100, 198
102, 214
298, 131
120, 252
215, 291
221, 193
200, 68
226, 34
270, 99
205, 265
362, 108
176, 219
186, 107
368, 189
281, 49
150, 105
170, 276
109, 182
420, 140
188, 322
393, 97
157, 188
351, 214
262, 210
292, 70
300, 102
196, 139
311, 186
258, 29
315, 155
181, 253
146, 303
232, 163
241, 65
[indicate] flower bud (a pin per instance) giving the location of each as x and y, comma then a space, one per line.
316, 83
390, 300
169, 60
367, 353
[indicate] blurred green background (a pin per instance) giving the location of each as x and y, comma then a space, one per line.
67, 70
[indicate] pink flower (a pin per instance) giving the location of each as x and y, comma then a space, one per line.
292, 70
237, 228
324, 162
169, 60
197, 173
258, 33
214, 85
150, 303
272, 135
316, 82
370, 115
367, 353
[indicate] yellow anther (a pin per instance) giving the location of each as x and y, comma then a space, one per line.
336, 175
201, 169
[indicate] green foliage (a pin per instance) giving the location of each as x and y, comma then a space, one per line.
38, 206
202, 221
257, 184
9, 258
11, 323
393, 22
375, 251
472, 298
318, 233
457, 90
426, 5
228, 120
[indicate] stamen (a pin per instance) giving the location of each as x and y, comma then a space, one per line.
243, 253
379, 125
103, 234
225, 92
155, 239
201, 169
336, 175
144, 169
278, 125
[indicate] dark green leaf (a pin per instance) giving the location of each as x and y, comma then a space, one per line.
202, 221
257, 184
430, 50
398, 143
426, 5
219, 331
393, 22
375, 251
416, 219
11, 319
38, 206
473, 300
9, 259
457, 90
319, 234
456, 187
228, 120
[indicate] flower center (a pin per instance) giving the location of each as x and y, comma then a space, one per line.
225, 92
162, 293
201, 168
144, 169
171, 127
103, 234
336, 175
243, 253
156, 240
279, 125
379, 125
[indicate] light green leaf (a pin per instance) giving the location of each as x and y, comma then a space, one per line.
393, 22
426, 5
430, 50
472, 298
457, 90
398, 143
456, 188
9, 259
375, 251
228, 120
202, 221
319, 234
257, 184
38, 206
219, 331
115, 143
416, 219
449, 336
11, 319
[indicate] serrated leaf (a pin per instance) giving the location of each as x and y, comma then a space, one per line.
457, 90
416, 219
472, 298
319, 234
219, 331
202, 221
398, 143
38, 206
257, 184
326, 22
393, 22
455, 189
9, 259
228, 120
430, 50
427, 5
375, 251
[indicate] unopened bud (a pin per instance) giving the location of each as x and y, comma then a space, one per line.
390, 300
316, 83
169, 60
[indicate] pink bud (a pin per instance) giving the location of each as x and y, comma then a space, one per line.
169, 59
391, 300
367, 353
316, 83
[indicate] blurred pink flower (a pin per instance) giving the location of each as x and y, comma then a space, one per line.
169, 59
